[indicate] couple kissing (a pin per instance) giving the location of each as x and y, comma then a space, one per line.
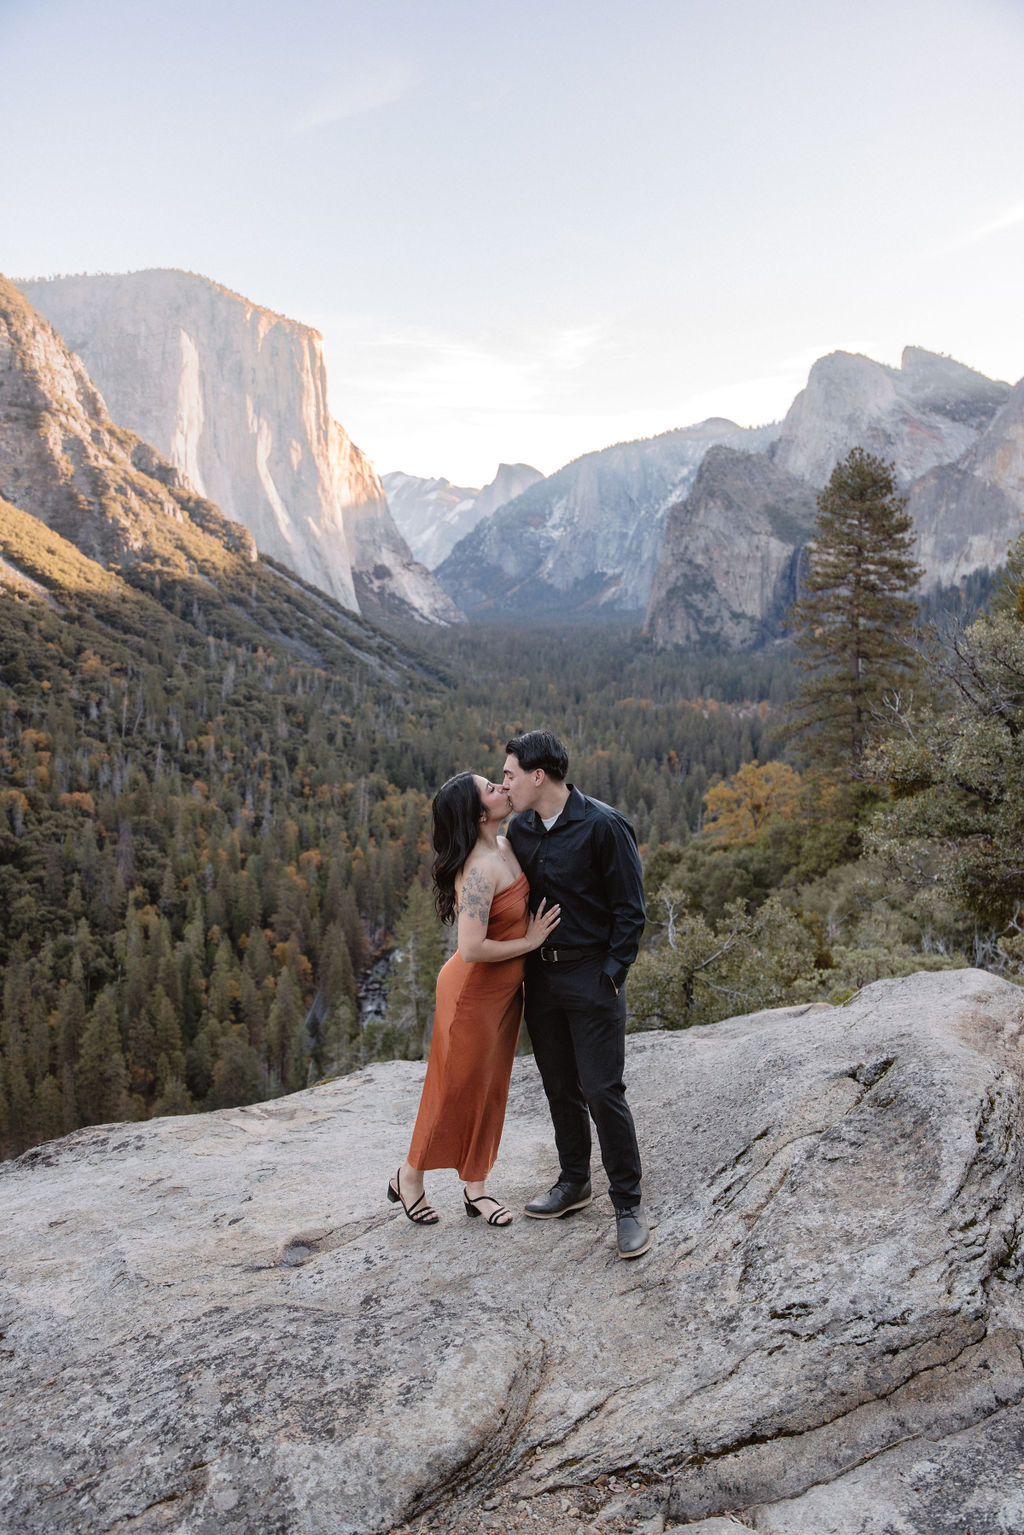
549, 920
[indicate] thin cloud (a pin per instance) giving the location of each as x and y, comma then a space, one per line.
410, 364
1013, 218
574, 347
369, 91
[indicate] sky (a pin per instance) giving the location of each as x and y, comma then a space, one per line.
531, 229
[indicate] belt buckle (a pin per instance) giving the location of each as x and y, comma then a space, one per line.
548, 956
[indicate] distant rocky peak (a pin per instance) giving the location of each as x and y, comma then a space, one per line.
510, 481
714, 426
847, 379
435, 514
927, 412
949, 388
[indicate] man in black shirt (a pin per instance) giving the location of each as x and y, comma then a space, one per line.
582, 855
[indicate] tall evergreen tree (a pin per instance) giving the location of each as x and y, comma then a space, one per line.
236, 1076
285, 1035
101, 1075
420, 944
855, 622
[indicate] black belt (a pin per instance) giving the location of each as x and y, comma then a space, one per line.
550, 956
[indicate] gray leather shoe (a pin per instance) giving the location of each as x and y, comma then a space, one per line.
559, 1200
632, 1233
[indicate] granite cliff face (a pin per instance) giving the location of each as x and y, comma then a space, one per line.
728, 567
434, 514
236, 398
510, 481
217, 1324
99, 526
967, 514
712, 557
64, 461
585, 540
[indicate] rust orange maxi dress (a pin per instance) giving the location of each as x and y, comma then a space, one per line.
476, 1024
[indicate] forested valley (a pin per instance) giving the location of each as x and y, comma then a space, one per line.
214, 833
207, 841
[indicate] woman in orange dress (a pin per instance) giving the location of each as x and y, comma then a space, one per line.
478, 882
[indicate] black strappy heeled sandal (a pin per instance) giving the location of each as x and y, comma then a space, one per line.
499, 1216
428, 1216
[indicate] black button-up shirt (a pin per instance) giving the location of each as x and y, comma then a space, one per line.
589, 865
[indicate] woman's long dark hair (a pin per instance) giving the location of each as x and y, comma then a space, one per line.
456, 816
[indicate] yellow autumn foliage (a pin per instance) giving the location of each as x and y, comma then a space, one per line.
738, 809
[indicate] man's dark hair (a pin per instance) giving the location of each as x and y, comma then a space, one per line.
540, 749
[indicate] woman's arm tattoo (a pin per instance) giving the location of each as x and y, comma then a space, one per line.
475, 900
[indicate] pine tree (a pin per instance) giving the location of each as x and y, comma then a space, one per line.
1008, 587
48, 1110
19, 1103
420, 944
101, 1075
142, 1054
71, 1015
336, 1034
224, 983
855, 623
173, 1097
236, 1076
285, 1035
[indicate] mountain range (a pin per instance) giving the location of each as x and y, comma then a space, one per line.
729, 560
696, 532
585, 541
699, 531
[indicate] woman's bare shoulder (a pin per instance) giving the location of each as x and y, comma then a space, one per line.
480, 869
481, 858
508, 858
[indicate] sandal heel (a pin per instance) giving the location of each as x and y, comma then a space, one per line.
419, 1212
499, 1216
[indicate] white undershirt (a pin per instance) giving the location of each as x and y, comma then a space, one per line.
551, 819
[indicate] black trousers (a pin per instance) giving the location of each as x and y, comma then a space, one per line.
578, 1028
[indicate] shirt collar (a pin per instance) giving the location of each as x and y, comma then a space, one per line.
574, 809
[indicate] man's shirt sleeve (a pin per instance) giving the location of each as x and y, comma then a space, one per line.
624, 885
